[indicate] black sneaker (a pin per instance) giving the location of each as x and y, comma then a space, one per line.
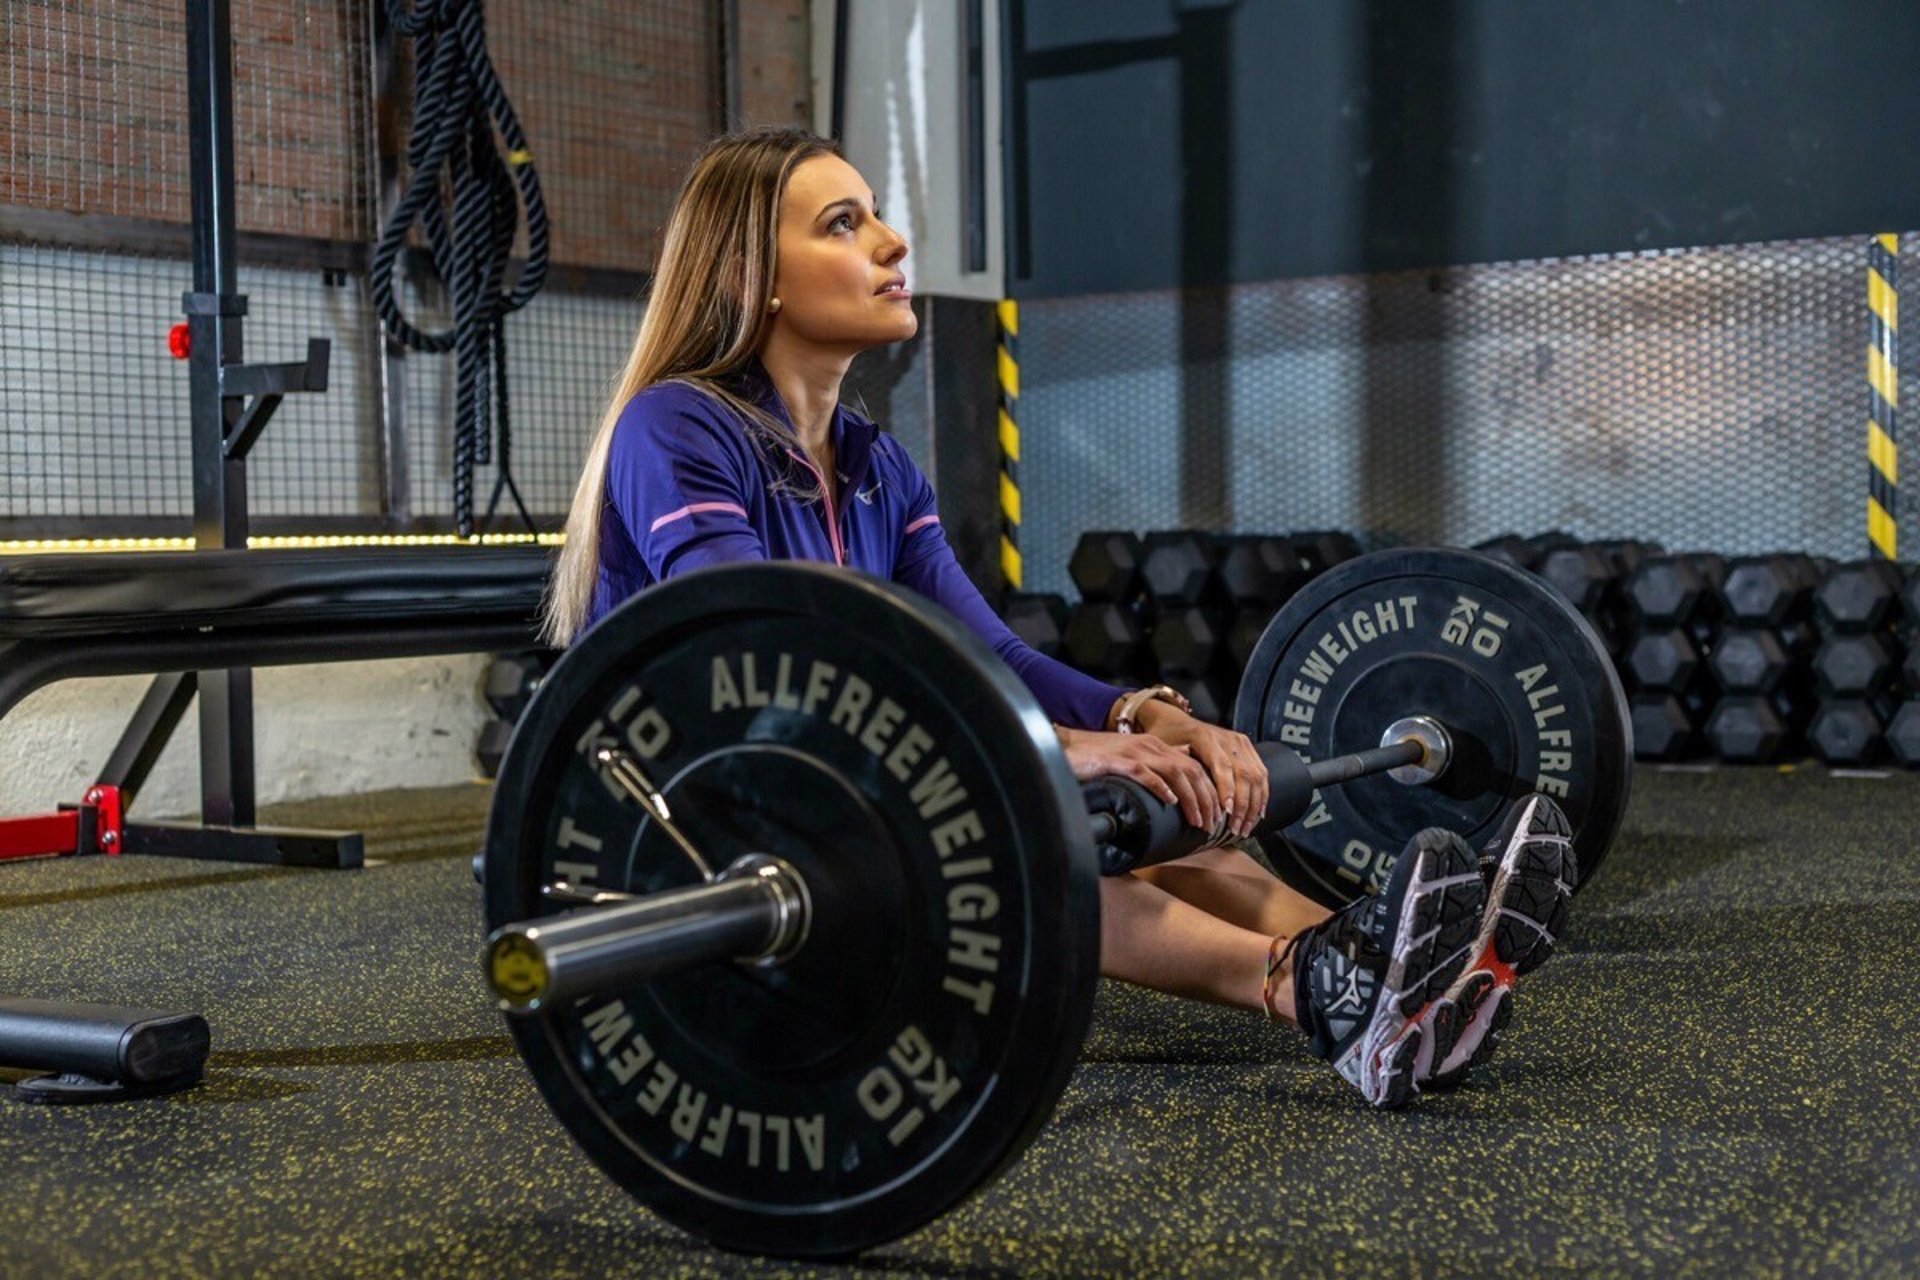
1529, 870
1363, 978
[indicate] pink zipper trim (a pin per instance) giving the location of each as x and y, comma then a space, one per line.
833, 517
694, 509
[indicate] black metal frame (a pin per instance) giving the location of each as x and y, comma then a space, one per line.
225, 425
181, 655
973, 123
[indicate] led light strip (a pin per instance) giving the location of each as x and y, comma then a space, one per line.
283, 542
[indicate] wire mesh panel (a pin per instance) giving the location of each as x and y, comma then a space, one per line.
94, 411
1711, 398
98, 106
564, 352
616, 95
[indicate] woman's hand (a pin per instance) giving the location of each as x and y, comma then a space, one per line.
1238, 775
1166, 771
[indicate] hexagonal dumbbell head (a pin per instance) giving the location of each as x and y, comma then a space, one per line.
1853, 665
1712, 567
1243, 633
1105, 565
1666, 661
1857, 596
1187, 641
1663, 729
1208, 697
1039, 619
1910, 670
1511, 548
1903, 732
1627, 554
1666, 591
491, 747
1581, 574
1750, 660
1847, 731
1106, 639
1910, 598
1552, 540
1766, 591
1321, 549
1177, 567
1260, 570
1746, 729
513, 679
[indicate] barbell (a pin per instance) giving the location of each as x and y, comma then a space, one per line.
793, 897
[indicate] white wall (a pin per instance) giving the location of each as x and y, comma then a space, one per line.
905, 129
320, 731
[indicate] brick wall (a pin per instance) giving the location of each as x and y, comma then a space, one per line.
616, 95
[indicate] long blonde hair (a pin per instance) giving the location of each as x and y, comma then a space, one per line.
706, 318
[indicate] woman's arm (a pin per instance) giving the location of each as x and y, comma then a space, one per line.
1069, 697
682, 479
925, 562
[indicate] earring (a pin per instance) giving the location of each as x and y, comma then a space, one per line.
773, 304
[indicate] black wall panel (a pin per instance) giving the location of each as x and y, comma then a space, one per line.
1155, 143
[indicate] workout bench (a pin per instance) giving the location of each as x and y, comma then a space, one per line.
178, 614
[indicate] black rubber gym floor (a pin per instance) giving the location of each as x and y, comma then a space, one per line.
1715, 1076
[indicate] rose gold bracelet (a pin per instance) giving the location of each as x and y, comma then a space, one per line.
1128, 720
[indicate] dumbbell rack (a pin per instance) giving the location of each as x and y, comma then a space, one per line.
1748, 659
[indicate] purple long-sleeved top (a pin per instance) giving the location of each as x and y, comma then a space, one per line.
687, 487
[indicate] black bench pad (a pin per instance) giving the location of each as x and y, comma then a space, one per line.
131, 592
67, 616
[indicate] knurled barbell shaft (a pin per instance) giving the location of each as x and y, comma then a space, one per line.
1134, 828
1362, 764
758, 907
755, 910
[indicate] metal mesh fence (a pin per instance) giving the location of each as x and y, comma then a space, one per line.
94, 412
1711, 399
616, 96
97, 104
563, 354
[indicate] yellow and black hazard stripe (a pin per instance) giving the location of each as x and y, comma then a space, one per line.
1883, 379
1009, 372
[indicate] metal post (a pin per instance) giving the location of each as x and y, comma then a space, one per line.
1883, 397
214, 311
973, 128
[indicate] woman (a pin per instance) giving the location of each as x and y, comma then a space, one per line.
726, 441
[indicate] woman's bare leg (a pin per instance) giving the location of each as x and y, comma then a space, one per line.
1153, 939
1229, 884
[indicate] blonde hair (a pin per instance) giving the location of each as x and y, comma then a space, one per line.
705, 321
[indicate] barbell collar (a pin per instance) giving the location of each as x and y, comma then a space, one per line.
756, 911
1436, 744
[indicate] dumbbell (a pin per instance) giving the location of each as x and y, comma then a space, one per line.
1857, 597
1105, 565
1178, 569
1260, 571
1039, 619
1108, 639
1771, 590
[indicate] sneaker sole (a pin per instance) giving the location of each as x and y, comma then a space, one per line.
1525, 913
1434, 936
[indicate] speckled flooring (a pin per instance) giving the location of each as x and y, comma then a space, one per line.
1716, 1076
